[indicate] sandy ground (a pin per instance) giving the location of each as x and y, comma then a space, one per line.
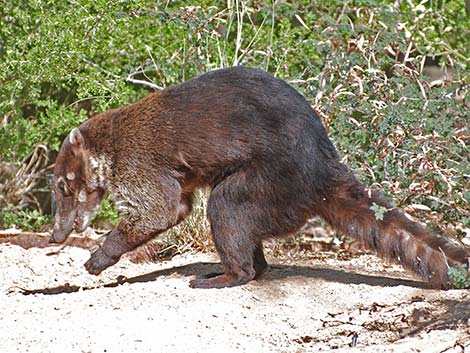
324, 303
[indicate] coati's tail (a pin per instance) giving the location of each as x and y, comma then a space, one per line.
395, 237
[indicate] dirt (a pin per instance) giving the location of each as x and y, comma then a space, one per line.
319, 302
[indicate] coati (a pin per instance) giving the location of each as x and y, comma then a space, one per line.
264, 153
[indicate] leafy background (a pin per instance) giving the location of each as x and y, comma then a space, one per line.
389, 79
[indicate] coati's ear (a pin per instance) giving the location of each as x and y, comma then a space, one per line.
77, 143
76, 139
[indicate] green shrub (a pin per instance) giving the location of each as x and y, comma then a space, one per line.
28, 219
459, 277
359, 63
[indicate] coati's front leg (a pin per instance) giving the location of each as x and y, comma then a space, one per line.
129, 235
119, 241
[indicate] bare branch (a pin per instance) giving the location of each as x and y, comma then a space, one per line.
129, 78
142, 82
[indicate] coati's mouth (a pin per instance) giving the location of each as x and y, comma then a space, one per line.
77, 222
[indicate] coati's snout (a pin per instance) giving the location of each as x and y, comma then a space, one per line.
63, 227
73, 214
77, 197
67, 222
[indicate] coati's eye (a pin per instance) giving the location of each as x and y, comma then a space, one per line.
63, 188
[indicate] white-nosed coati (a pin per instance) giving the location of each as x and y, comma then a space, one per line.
257, 143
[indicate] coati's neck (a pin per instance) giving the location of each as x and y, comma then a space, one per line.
98, 135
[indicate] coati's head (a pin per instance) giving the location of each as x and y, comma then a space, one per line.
77, 190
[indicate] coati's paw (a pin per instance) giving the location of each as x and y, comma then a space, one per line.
221, 281
201, 283
99, 261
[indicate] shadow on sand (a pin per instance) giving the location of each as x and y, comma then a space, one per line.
275, 272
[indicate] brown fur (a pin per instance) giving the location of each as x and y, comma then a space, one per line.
261, 149
395, 237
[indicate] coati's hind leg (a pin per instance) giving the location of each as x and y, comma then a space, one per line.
259, 264
235, 223
132, 232
239, 268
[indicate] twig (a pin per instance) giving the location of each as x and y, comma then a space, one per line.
129, 78
271, 35
461, 210
142, 82
445, 257
343, 11
98, 20
238, 39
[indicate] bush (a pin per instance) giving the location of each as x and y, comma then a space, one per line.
361, 64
